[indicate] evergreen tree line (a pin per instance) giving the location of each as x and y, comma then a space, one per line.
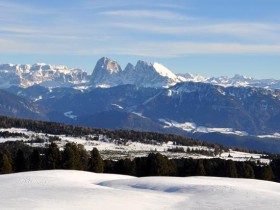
17, 157
7, 134
159, 165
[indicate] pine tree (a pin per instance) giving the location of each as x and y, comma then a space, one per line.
267, 173
189, 167
75, 157
84, 157
200, 170
125, 166
249, 171
95, 163
158, 165
20, 162
109, 166
6, 163
275, 165
172, 168
71, 157
231, 169
53, 157
141, 168
35, 161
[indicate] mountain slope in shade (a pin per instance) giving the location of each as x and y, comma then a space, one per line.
61, 189
244, 109
14, 106
234, 116
252, 110
119, 119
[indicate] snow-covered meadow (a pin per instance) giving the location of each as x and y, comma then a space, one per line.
112, 149
61, 189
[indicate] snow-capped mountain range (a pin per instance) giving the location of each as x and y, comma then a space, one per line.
108, 73
40, 73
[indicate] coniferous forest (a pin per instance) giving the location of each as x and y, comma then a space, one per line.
17, 157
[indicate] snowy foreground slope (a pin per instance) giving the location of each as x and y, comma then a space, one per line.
83, 190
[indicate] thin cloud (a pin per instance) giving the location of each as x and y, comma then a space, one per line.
101, 4
19, 8
172, 6
16, 29
161, 15
260, 32
178, 49
14, 46
148, 49
185, 48
140, 32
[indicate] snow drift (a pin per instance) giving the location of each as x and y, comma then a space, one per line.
60, 189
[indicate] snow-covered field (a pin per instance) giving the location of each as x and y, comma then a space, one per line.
193, 128
74, 190
112, 149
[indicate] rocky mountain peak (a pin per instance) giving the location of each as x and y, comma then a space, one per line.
241, 77
105, 64
106, 73
142, 64
129, 67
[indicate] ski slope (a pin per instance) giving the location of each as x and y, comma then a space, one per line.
72, 190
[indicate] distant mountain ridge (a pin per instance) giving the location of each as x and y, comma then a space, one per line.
15, 106
188, 106
108, 73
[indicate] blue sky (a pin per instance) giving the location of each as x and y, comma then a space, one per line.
207, 37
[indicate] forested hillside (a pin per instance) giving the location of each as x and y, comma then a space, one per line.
17, 156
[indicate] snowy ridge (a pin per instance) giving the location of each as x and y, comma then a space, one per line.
193, 78
71, 190
235, 81
165, 72
108, 73
156, 75
193, 128
40, 73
